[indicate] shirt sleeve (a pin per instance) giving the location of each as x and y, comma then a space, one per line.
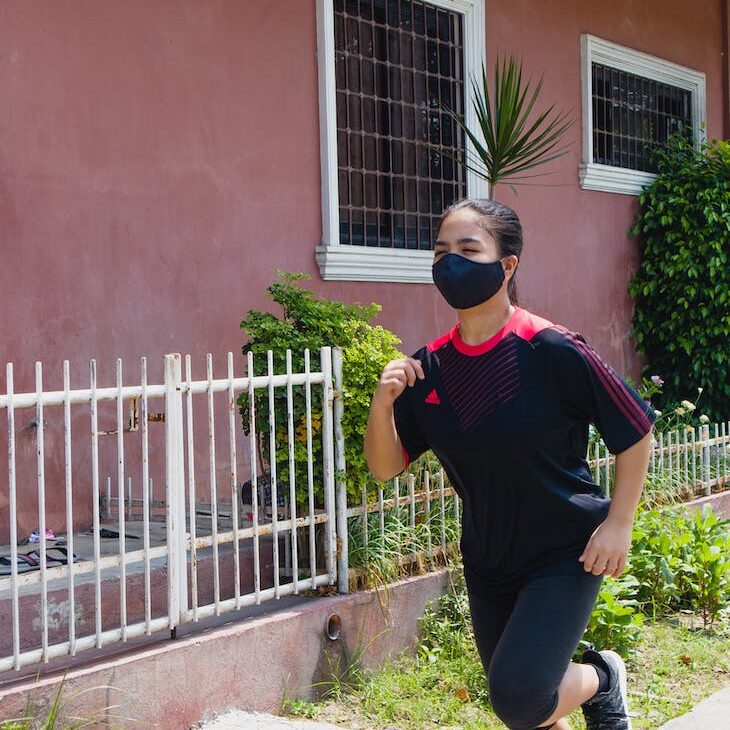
409, 432
596, 393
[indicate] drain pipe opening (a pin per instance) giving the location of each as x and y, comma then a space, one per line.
334, 626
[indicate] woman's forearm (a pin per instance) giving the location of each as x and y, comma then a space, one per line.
608, 548
383, 449
631, 470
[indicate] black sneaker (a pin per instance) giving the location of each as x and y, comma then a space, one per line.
608, 710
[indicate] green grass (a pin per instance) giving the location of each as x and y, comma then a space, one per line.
443, 685
60, 715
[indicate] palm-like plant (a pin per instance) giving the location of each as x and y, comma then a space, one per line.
513, 139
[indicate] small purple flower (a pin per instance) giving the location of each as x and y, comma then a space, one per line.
657, 380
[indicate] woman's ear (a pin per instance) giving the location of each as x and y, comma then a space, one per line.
510, 265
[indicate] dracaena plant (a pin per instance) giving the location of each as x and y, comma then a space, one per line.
512, 136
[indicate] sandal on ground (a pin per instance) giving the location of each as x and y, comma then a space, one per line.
52, 557
25, 564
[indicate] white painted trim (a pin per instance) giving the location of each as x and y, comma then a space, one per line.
327, 121
593, 49
357, 263
614, 179
367, 263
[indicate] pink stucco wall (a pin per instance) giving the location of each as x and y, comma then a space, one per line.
159, 161
577, 258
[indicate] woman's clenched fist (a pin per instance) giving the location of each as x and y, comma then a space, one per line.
396, 375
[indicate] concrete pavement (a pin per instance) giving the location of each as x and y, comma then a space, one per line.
711, 714
238, 720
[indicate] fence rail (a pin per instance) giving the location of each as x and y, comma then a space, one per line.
131, 575
161, 531
683, 463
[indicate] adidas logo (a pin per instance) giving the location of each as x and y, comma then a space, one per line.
433, 398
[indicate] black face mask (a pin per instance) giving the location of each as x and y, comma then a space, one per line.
464, 283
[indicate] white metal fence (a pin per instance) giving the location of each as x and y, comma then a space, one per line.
413, 522
164, 558
684, 462
155, 471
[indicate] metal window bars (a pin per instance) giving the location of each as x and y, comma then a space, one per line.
396, 63
632, 115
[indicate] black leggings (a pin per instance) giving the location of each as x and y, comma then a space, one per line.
526, 639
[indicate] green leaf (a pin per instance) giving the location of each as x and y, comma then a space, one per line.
511, 137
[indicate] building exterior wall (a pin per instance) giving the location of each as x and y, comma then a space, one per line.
577, 259
159, 161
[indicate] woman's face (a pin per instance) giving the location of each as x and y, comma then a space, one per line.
461, 233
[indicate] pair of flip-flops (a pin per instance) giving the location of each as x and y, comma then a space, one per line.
26, 562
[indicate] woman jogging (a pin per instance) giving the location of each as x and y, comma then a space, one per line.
504, 401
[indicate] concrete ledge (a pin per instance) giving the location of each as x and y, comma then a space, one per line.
251, 665
720, 502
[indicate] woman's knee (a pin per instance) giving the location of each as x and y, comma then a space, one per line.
519, 703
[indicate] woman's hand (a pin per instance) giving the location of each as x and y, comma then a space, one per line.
396, 375
383, 449
608, 549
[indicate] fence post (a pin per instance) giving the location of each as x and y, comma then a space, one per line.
706, 460
329, 462
177, 563
341, 491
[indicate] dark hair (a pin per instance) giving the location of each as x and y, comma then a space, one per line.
501, 222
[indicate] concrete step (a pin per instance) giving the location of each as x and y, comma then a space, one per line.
236, 719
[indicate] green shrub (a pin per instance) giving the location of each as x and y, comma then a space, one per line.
658, 552
681, 561
308, 321
616, 622
682, 285
705, 574
677, 561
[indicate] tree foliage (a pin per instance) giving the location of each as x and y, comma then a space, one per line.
311, 322
682, 286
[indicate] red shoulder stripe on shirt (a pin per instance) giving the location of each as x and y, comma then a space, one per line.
526, 324
614, 387
440, 342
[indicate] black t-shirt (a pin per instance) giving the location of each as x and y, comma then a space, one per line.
508, 420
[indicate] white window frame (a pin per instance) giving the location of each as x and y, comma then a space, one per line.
344, 262
608, 178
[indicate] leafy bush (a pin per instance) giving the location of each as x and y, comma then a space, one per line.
681, 561
705, 576
682, 285
678, 561
308, 321
615, 621
657, 556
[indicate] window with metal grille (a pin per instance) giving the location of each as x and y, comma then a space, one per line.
396, 63
632, 115
632, 103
